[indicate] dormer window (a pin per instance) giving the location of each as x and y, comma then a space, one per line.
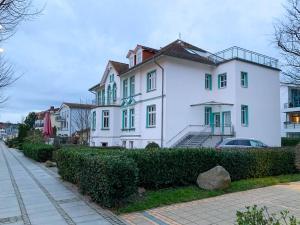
139, 57
131, 61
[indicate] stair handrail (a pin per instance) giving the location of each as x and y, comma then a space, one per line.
190, 125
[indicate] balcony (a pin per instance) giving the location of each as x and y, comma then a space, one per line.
292, 126
60, 118
244, 54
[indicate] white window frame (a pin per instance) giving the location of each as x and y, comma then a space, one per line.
131, 118
105, 119
139, 57
151, 81
223, 80
131, 61
151, 116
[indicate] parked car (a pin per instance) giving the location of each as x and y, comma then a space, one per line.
241, 143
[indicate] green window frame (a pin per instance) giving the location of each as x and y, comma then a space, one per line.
111, 78
207, 115
244, 79
222, 80
131, 118
108, 95
125, 88
244, 115
105, 119
124, 119
103, 97
132, 85
94, 120
208, 81
151, 116
151, 81
114, 92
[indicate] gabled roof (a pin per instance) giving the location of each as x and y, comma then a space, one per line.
78, 105
118, 66
180, 49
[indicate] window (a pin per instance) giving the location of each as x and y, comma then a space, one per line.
124, 119
131, 61
208, 82
222, 80
111, 78
105, 119
244, 79
131, 144
131, 118
98, 98
132, 85
244, 115
151, 81
207, 114
124, 144
114, 92
125, 88
94, 121
108, 95
103, 97
139, 57
151, 116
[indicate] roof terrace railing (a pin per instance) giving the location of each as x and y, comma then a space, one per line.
244, 54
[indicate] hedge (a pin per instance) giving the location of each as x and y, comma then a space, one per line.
107, 176
285, 141
110, 176
38, 152
170, 167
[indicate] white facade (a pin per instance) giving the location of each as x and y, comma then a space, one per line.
179, 99
72, 117
290, 110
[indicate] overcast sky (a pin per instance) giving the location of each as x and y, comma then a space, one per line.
63, 52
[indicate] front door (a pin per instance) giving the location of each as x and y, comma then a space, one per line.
217, 123
226, 122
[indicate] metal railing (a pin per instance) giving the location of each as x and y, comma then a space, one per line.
211, 129
292, 104
244, 54
291, 125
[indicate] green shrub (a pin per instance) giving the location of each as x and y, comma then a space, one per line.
261, 216
158, 168
13, 143
289, 141
38, 152
169, 167
108, 177
152, 145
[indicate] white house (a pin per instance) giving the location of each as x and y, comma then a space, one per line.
184, 96
73, 117
290, 110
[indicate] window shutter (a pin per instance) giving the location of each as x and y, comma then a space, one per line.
219, 81
148, 82
246, 112
147, 117
210, 82
246, 80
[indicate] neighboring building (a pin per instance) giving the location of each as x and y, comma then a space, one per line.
184, 96
8, 130
73, 117
290, 110
39, 122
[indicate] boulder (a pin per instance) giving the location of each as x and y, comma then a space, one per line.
48, 163
216, 178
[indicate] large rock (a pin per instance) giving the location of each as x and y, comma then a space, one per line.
214, 179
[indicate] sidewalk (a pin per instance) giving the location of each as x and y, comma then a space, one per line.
32, 195
221, 210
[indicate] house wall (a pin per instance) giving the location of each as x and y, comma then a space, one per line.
263, 99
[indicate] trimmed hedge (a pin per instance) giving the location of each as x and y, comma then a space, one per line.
107, 176
171, 167
110, 176
38, 152
285, 141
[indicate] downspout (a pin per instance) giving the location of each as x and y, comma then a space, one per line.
162, 102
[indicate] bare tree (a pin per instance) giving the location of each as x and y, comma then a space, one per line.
287, 37
12, 13
81, 121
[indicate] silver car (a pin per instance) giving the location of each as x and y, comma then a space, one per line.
241, 143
